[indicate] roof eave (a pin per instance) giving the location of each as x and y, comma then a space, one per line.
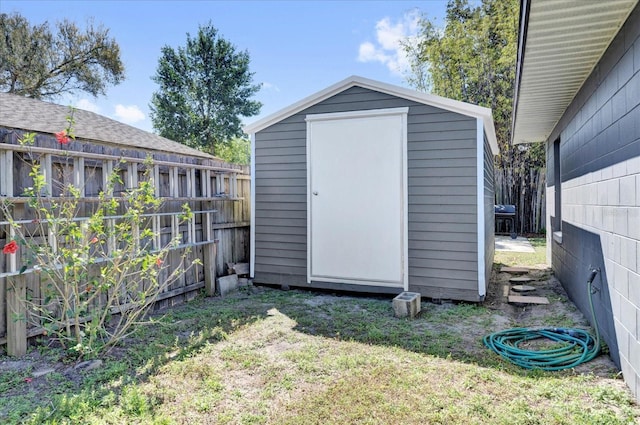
535, 120
525, 6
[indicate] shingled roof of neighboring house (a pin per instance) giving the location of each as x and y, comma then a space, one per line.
43, 117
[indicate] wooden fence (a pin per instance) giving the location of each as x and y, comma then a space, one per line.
526, 190
218, 232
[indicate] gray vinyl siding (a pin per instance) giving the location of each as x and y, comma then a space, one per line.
442, 193
489, 211
443, 247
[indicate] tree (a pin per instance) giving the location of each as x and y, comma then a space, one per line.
205, 87
35, 62
473, 60
236, 151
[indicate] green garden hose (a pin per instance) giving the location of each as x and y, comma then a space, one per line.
575, 346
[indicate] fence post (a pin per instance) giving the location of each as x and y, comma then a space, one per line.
209, 254
16, 316
47, 170
6, 173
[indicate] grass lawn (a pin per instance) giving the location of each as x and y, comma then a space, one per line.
524, 258
265, 356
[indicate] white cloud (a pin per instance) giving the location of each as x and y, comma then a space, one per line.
388, 48
269, 86
129, 114
87, 105
369, 53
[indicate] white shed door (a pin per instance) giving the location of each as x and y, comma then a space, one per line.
357, 198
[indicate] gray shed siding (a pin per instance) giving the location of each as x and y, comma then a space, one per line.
443, 226
489, 211
600, 197
442, 218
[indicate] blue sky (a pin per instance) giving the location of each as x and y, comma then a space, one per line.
296, 47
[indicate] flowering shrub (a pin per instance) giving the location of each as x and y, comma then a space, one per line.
62, 137
99, 273
10, 248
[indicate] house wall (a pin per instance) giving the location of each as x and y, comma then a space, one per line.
600, 197
443, 247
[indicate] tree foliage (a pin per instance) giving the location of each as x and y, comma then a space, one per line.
236, 151
36, 62
205, 87
473, 59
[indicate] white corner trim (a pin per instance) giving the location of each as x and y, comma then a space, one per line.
482, 284
405, 196
252, 229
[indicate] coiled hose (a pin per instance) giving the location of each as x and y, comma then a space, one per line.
575, 346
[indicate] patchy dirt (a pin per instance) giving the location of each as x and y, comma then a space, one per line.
460, 326
560, 312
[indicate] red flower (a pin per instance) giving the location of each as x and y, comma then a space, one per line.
159, 262
10, 248
62, 137
94, 240
28, 380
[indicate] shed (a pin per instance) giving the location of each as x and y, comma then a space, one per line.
370, 187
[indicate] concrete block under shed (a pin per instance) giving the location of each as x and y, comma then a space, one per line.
227, 284
406, 304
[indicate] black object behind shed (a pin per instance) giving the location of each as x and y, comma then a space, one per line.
507, 213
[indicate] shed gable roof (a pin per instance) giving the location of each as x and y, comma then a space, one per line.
424, 98
44, 117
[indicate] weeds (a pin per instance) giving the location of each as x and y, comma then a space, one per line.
298, 357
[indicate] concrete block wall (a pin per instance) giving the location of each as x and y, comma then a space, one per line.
607, 203
600, 196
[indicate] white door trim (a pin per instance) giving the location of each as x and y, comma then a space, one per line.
402, 112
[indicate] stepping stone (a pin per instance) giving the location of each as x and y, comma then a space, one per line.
520, 279
514, 270
523, 288
44, 371
520, 299
88, 365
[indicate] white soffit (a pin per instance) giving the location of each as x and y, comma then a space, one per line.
565, 39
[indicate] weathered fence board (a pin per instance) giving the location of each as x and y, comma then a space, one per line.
215, 238
526, 191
